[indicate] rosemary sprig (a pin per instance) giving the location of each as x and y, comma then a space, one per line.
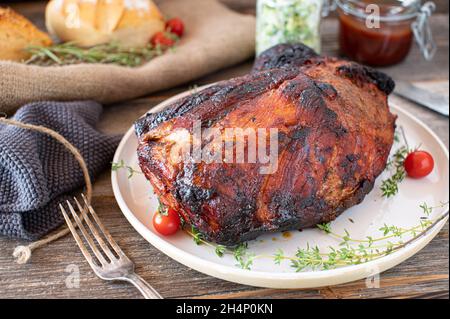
110, 53
121, 165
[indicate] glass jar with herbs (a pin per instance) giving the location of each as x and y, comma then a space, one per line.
288, 21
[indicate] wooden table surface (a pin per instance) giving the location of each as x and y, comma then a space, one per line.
426, 275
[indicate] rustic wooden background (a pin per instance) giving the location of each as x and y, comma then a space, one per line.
425, 275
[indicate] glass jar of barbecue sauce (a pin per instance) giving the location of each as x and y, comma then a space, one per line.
381, 32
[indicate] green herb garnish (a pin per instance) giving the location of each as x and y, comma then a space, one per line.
220, 250
196, 235
326, 227
349, 250
110, 53
131, 171
162, 209
389, 186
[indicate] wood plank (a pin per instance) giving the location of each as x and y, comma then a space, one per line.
46, 276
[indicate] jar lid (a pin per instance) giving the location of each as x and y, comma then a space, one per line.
389, 10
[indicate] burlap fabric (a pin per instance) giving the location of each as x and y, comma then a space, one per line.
216, 37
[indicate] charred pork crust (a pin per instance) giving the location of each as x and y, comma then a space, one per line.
361, 74
335, 135
223, 95
284, 56
179, 108
297, 55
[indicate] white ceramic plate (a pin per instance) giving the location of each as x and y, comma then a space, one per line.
138, 202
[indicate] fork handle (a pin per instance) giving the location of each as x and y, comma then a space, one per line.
146, 290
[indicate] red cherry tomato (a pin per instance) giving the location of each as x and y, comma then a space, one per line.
166, 224
419, 164
162, 39
175, 26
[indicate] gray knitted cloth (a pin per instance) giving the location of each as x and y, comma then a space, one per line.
37, 172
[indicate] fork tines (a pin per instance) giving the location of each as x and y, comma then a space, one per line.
109, 251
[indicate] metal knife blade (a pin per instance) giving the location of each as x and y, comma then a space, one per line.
436, 102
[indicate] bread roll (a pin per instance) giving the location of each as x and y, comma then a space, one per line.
131, 23
17, 33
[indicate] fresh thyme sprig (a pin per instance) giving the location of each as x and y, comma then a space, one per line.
240, 253
162, 209
389, 186
220, 250
243, 256
388, 231
365, 250
117, 166
109, 53
197, 236
350, 251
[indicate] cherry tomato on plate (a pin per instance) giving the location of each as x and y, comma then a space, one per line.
162, 39
166, 223
175, 26
419, 164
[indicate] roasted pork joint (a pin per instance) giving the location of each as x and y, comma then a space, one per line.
334, 134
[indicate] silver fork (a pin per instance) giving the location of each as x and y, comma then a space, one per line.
107, 266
